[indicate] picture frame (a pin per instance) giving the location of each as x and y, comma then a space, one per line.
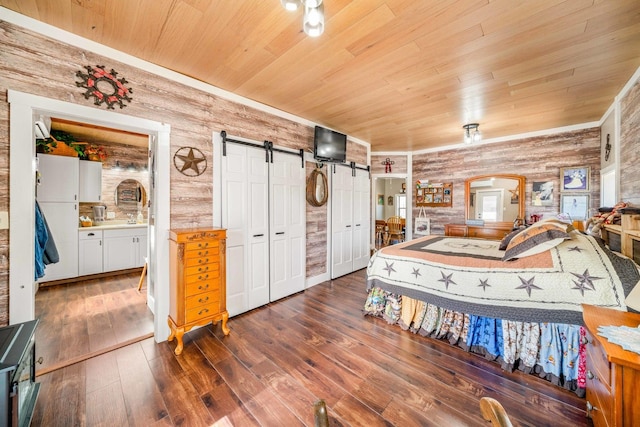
542, 193
575, 179
422, 226
575, 205
390, 201
381, 199
428, 198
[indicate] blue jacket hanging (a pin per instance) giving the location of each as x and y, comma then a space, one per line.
45, 250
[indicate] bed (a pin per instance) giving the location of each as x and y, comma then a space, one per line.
524, 313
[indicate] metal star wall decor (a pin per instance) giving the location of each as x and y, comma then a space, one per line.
104, 86
190, 161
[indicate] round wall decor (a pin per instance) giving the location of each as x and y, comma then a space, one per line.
190, 161
104, 86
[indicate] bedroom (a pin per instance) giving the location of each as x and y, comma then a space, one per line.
219, 113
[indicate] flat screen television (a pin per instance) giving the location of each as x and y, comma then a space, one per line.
329, 145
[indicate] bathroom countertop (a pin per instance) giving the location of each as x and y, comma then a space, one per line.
110, 225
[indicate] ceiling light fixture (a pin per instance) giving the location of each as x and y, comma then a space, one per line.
313, 19
469, 137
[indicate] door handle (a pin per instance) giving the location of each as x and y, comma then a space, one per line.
349, 226
357, 225
279, 233
91, 234
258, 235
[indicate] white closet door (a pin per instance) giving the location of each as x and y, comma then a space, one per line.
361, 221
258, 228
287, 225
244, 185
341, 222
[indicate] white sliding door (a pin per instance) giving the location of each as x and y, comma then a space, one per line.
263, 210
361, 219
288, 225
341, 222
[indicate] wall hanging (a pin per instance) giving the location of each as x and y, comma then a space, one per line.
104, 86
190, 161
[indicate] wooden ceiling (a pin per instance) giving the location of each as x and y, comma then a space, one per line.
400, 74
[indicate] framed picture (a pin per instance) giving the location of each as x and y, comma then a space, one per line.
423, 226
575, 179
542, 193
381, 199
390, 200
575, 205
428, 198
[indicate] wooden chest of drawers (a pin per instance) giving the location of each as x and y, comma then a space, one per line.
613, 374
198, 280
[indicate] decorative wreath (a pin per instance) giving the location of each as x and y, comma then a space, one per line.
189, 160
104, 86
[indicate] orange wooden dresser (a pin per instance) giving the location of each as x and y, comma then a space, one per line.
198, 280
613, 374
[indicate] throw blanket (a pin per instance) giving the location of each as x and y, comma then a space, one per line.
468, 275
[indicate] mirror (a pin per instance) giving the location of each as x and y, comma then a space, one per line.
317, 188
130, 193
495, 199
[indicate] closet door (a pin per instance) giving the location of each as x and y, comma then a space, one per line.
287, 218
341, 221
361, 221
244, 184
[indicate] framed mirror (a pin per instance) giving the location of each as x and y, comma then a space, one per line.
317, 188
495, 200
130, 193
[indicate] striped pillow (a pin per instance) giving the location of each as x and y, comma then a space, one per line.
538, 238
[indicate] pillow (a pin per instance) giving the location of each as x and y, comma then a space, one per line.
537, 238
563, 225
506, 239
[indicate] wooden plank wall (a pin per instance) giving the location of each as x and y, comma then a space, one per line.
538, 159
630, 146
32, 63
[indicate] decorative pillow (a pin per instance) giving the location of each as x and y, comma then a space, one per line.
537, 238
506, 239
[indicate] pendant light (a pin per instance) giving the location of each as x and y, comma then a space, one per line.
313, 19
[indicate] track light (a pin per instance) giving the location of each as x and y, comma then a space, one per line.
313, 20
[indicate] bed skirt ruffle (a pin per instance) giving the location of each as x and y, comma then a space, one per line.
552, 351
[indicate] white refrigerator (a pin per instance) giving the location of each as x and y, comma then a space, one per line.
57, 194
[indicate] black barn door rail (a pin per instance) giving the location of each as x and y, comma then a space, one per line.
267, 146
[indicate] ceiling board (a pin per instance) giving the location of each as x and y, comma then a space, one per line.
400, 74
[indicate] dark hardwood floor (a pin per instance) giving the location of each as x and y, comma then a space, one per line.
279, 359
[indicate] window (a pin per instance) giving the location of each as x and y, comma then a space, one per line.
401, 205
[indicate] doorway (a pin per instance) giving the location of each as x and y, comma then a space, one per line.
390, 199
23, 109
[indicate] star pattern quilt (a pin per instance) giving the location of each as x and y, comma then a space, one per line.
468, 275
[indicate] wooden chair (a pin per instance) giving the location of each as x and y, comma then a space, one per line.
493, 411
144, 272
394, 232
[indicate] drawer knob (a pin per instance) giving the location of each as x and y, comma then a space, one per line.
584, 341
590, 408
205, 310
203, 300
203, 287
206, 276
590, 375
203, 261
203, 269
203, 245
203, 253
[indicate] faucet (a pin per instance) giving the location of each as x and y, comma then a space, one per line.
131, 219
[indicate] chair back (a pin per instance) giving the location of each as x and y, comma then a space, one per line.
395, 224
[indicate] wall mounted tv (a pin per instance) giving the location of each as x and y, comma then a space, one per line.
329, 145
